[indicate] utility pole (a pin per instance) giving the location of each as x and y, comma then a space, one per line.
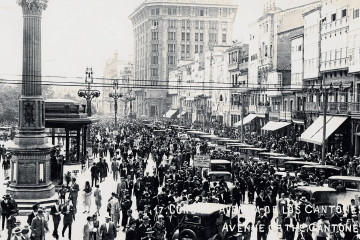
242, 118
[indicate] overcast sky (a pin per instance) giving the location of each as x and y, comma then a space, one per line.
81, 33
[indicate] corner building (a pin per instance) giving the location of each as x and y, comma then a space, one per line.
166, 31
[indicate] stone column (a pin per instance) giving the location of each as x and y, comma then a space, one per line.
31, 148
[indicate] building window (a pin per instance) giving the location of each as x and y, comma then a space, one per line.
224, 38
187, 36
154, 47
333, 17
271, 49
154, 72
171, 48
154, 60
183, 48
171, 11
188, 24
182, 36
171, 35
343, 13
154, 35
187, 48
155, 23
197, 24
201, 12
196, 48
201, 24
212, 37
356, 13
221, 98
201, 37
201, 48
155, 11
213, 25
183, 24
196, 37
171, 60
172, 23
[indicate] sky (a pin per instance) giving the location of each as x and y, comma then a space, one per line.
81, 33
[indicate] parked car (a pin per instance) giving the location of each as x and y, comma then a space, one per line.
205, 221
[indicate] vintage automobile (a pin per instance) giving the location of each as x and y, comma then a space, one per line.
218, 176
205, 221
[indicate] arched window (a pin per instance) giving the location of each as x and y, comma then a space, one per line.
221, 98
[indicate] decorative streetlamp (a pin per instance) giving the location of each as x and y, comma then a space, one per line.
116, 96
129, 98
88, 93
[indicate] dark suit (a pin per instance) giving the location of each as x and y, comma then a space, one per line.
74, 194
131, 234
56, 219
38, 227
108, 234
31, 216
68, 212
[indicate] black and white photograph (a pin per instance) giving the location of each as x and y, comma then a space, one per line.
180, 119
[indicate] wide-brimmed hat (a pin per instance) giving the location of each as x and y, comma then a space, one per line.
16, 230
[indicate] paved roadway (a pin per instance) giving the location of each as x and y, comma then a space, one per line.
107, 187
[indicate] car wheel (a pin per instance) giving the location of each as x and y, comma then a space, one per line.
188, 234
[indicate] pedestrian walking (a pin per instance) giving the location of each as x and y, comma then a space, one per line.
74, 190
88, 229
68, 212
108, 230
55, 212
39, 226
87, 198
114, 210
98, 199
94, 174
115, 169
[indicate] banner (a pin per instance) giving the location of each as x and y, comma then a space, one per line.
202, 161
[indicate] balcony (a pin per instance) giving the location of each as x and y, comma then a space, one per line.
334, 107
274, 116
262, 109
334, 64
252, 108
285, 115
299, 115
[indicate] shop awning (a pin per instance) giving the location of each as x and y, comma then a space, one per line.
273, 126
170, 113
181, 114
314, 133
246, 120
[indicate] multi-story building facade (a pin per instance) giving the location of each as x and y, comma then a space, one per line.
237, 60
166, 31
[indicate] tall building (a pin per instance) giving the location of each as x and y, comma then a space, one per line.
166, 31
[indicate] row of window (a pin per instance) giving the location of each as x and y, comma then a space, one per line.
236, 56
213, 12
334, 54
334, 16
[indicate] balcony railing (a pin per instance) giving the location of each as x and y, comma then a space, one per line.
262, 109
285, 115
274, 116
334, 107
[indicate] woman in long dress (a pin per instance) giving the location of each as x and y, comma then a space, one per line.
98, 198
87, 201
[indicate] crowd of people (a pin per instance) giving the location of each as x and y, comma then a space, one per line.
174, 181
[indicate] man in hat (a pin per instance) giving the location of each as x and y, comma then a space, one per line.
108, 230
95, 171
114, 209
68, 212
125, 206
262, 225
32, 215
149, 234
39, 226
55, 213
144, 226
25, 232
16, 234
11, 223
74, 189
131, 233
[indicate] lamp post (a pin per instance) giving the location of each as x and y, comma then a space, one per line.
116, 96
129, 98
88, 94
